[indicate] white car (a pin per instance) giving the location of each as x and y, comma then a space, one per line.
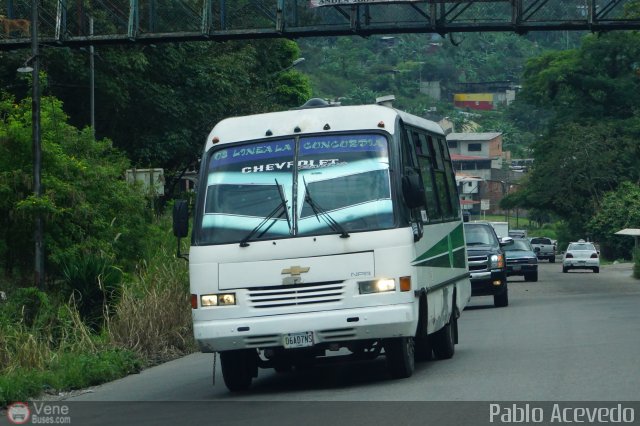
581, 255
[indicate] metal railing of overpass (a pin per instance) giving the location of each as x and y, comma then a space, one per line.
67, 22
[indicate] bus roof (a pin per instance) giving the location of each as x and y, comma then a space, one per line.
313, 120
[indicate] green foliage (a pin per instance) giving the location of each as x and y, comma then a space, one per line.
93, 283
158, 103
26, 305
632, 9
597, 81
589, 132
66, 372
46, 345
86, 205
153, 314
619, 209
636, 263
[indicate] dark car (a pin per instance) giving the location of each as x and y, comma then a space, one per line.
521, 259
487, 266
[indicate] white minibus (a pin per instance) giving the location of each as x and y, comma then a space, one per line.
321, 231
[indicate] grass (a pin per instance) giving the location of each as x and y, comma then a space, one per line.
67, 371
532, 229
153, 317
47, 346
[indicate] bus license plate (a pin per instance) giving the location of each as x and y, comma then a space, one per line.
298, 340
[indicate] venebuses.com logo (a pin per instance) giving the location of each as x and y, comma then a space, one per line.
18, 413
38, 412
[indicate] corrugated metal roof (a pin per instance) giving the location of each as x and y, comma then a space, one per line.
473, 136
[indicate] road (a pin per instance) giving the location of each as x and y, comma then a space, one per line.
567, 337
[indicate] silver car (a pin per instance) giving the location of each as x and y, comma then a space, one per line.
581, 255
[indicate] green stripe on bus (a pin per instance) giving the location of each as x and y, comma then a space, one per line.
453, 240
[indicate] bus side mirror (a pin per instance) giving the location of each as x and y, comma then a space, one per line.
413, 189
181, 218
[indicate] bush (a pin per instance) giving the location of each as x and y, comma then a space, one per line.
636, 263
29, 306
153, 316
87, 205
619, 209
94, 283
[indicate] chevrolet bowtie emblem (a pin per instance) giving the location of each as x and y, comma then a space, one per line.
295, 271
294, 274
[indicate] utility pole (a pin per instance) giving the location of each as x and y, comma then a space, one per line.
92, 82
37, 148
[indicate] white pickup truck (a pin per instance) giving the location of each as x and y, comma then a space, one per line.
544, 248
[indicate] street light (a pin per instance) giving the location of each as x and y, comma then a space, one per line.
25, 68
293, 64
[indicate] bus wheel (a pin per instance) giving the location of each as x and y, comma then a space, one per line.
444, 340
424, 351
400, 354
238, 368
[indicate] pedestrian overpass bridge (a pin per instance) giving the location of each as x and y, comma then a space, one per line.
100, 22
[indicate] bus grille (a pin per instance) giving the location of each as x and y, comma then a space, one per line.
296, 295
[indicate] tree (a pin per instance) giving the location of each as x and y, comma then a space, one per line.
158, 104
597, 81
575, 166
588, 143
88, 208
619, 209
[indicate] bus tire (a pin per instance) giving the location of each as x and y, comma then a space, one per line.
424, 350
238, 368
400, 353
444, 345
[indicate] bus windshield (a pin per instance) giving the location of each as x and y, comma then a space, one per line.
337, 178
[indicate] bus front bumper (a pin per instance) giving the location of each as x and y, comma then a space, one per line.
335, 326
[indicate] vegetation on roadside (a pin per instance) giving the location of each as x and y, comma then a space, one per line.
46, 346
116, 298
587, 162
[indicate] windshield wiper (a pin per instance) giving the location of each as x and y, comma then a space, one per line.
281, 206
317, 210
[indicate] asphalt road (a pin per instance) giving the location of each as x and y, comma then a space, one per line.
567, 337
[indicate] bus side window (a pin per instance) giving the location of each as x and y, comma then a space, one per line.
417, 143
446, 191
408, 150
451, 179
427, 170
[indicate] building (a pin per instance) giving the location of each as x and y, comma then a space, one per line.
473, 150
484, 96
478, 101
481, 170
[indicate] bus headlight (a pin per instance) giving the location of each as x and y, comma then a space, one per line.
222, 299
377, 286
